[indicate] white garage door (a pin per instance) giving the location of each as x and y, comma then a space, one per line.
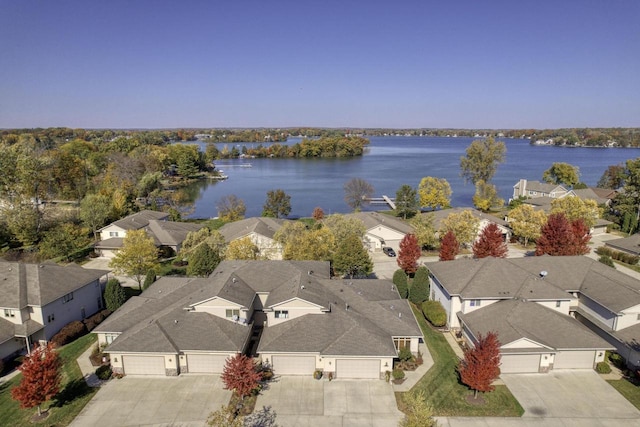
206, 363
519, 363
294, 365
358, 368
574, 360
143, 365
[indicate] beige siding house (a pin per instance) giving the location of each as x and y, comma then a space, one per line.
382, 230
260, 230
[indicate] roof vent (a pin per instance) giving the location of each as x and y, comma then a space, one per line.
310, 272
175, 321
543, 273
400, 315
301, 286
233, 279
346, 306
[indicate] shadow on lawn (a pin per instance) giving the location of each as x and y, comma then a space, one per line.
73, 390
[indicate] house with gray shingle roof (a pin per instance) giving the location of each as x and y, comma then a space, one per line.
169, 234
382, 230
37, 300
549, 312
260, 230
290, 314
484, 219
534, 189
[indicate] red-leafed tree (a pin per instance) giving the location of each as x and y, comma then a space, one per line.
449, 247
40, 378
490, 243
409, 254
481, 364
561, 238
318, 213
240, 375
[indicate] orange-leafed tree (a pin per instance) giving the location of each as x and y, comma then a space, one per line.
490, 243
481, 364
449, 247
240, 375
318, 213
409, 254
559, 237
40, 378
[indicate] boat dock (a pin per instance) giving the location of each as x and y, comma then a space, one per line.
384, 200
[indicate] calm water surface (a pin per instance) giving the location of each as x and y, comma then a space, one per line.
388, 163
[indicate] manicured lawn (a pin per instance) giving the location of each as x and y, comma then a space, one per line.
74, 394
446, 395
630, 391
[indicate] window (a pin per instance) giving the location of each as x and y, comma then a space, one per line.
68, 297
282, 314
474, 303
232, 313
113, 234
9, 313
400, 343
51, 318
110, 337
558, 303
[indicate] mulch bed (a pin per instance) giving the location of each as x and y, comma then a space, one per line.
475, 401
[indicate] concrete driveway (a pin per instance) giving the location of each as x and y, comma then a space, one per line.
184, 400
305, 402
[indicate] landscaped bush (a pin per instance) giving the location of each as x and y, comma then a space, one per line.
397, 374
149, 278
104, 372
405, 354
603, 368
606, 260
617, 255
434, 312
400, 280
69, 332
93, 321
617, 361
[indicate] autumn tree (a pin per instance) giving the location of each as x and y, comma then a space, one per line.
352, 258
482, 159
417, 412
490, 243
481, 364
356, 191
318, 244
203, 261
425, 231
463, 224
40, 378
559, 237
318, 213
137, 255
242, 249
612, 178
114, 295
95, 210
574, 208
526, 222
240, 375
231, 208
409, 254
278, 204
562, 173
434, 192
343, 226
449, 247
213, 238
64, 239
486, 197
406, 201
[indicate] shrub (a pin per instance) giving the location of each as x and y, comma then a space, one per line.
397, 374
149, 278
114, 295
317, 374
603, 368
419, 290
104, 372
68, 333
434, 312
606, 260
93, 321
405, 354
617, 361
400, 280
617, 255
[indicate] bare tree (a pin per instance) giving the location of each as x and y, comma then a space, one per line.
356, 190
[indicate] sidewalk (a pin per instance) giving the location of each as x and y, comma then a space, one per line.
87, 369
412, 377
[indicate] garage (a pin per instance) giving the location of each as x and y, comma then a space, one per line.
519, 363
294, 365
574, 360
358, 368
206, 363
143, 365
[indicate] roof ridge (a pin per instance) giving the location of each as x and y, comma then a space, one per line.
166, 335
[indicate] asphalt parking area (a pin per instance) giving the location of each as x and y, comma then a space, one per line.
304, 401
569, 394
134, 401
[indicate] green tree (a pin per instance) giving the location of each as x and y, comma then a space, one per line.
419, 290
114, 295
343, 226
526, 222
242, 249
401, 282
418, 413
352, 258
278, 204
203, 261
212, 238
612, 178
464, 225
149, 278
575, 208
137, 255
63, 239
24, 221
406, 201
562, 173
94, 211
486, 197
356, 191
482, 159
231, 208
434, 192
425, 230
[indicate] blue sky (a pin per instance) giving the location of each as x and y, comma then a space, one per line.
348, 63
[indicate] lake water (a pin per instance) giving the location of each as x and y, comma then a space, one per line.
388, 163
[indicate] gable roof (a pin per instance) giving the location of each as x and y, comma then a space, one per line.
138, 220
39, 284
540, 187
170, 233
441, 214
375, 219
260, 225
629, 244
515, 319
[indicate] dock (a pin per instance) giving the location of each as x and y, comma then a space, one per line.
384, 200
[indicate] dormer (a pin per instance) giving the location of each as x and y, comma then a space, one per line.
292, 309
